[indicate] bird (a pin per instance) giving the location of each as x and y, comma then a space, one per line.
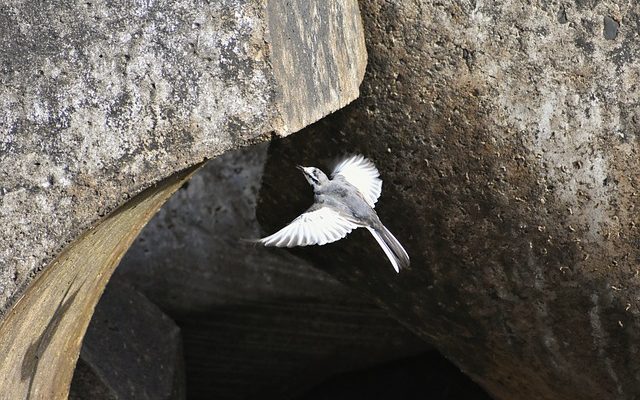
342, 202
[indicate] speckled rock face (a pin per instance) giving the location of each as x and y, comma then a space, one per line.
77, 84
506, 135
102, 99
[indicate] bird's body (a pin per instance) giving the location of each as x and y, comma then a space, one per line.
345, 198
341, 204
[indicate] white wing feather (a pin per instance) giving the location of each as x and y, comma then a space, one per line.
319, 226
361, 173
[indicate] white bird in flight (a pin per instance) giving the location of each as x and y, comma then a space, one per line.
342, 203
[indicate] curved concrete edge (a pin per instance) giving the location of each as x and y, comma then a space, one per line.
41, 336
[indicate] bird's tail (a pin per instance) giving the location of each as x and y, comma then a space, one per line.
392, 248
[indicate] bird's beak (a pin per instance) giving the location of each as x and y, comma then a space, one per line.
300, 167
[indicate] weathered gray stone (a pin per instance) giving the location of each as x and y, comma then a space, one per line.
133, 348
507, 139
255, 323
102, 99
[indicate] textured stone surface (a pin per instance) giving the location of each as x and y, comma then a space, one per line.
298, 75
133, 347
102, 99
256, 323
507, 138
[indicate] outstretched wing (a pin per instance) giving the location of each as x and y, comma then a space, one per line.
361, 173
319, 225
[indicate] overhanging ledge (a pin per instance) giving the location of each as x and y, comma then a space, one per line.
102, 102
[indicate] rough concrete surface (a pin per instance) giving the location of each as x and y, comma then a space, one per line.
102, 99
507, 138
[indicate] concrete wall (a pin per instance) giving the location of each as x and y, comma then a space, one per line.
109, 106
506, 134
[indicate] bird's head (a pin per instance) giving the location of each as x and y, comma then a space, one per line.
314, 176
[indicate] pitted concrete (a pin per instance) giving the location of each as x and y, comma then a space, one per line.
506, 135
101, 100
